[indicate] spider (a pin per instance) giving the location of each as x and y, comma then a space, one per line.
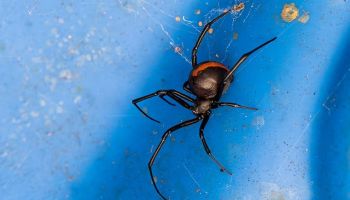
207, 82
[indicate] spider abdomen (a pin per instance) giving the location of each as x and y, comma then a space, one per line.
206, 79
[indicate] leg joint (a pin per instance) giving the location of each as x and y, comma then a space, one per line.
162, 92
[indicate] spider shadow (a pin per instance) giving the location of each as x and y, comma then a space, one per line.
330, 139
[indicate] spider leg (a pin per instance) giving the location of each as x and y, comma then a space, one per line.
186, 87
177, 96
206, 147
235, 105
184, 96
201, 36
244, 57
160, 145
162, 97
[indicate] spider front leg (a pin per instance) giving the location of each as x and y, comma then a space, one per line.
164, 137
175, 95
206, 147
201, 36
235, 105
244, 57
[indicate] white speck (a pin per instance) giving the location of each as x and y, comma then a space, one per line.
37, 60
34, 114
48, 121
88, 57
272, 191
42, 102
73, 51
60, 20
51, 81
77, 99
54, 32
129, 7
66, 74
259, 121
59, 109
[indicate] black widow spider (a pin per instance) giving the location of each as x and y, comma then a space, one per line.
207, 81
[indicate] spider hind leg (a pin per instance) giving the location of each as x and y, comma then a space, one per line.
160, 145
206, 147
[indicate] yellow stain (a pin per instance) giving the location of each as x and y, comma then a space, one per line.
290, 12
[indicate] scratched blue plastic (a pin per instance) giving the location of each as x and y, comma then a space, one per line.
69, 70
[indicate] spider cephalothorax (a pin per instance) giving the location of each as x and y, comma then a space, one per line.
207, 82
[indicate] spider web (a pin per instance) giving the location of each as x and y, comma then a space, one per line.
191, 25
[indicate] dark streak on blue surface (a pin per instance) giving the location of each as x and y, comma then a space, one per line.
331, 131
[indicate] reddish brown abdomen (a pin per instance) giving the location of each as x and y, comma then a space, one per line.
206, 78
205, 65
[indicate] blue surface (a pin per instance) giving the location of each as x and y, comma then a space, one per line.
69, 71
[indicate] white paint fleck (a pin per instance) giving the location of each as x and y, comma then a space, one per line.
66, 74
272, 191
59, 109
73, 51
37, 59
34, 114
54, 32
60, 20
88, 57
77, 99
42, 102
259, 121
51, 81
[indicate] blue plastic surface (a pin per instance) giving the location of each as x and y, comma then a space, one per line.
69, 70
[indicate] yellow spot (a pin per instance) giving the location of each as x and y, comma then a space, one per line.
211, 30
200, 23
304, 18
235, 36
197, 12
177, 18
238, 7
290, 12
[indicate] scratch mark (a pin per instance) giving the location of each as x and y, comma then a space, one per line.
313, 118
191, 175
